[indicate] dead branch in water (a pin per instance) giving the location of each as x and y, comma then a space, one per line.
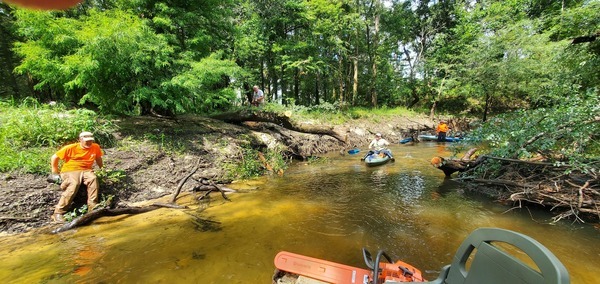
532, 182
210, 187
104, 212
183, 181
205, 185
450, 166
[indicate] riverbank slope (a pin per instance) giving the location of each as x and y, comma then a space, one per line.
153, 154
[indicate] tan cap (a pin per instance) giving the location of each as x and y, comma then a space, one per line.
86, 136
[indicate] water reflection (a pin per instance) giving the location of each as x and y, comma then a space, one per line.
379, 178
410, 186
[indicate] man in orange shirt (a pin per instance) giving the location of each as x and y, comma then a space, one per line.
79, 159
441, 130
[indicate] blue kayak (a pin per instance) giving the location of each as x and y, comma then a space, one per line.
406, 140
376, 159
434, 138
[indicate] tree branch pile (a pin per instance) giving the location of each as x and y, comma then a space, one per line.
568, 193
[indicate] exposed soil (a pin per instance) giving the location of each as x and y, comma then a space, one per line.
153, 154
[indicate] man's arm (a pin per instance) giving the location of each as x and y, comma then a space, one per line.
54, 163
99, 162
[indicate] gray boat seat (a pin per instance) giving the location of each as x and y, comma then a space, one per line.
490, 264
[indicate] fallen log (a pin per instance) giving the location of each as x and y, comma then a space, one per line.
104, 212
450, 166
279, 119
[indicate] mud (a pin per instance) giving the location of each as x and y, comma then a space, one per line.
153, 154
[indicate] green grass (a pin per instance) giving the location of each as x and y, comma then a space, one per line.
251, 165
31, 132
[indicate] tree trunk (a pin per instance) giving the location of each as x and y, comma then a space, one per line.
374, 56
296, 85
317, 95
281, 120
341, 81
432, 110
355, 81
486, 107
283, 87
262, 75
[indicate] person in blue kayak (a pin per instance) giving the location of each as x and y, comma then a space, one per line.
379, 145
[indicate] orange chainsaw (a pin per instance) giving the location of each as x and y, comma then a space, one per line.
331, 272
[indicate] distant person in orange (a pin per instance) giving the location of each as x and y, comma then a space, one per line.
79, 159
441, 130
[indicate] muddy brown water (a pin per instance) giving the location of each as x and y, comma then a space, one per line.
328, 210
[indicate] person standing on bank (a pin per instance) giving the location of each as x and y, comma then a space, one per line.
441, 130
79, 159
258, 97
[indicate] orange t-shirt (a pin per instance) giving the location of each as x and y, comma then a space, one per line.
442, 127
77, 158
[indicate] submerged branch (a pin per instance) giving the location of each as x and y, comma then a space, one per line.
104, 212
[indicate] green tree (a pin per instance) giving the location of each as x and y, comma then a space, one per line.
126, 62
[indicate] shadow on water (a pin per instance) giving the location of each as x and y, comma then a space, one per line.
327, 210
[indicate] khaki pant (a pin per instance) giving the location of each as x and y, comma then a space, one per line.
70, 185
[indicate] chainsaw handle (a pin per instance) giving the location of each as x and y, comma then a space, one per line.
376, 264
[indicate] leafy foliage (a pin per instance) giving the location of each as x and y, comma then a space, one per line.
69, 216
565, 134
170, 57
204, 86
31, 133
122, 63
250, 164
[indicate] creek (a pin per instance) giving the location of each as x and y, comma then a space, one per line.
326, 209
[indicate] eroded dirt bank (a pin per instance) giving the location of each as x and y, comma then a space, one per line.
152, 155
